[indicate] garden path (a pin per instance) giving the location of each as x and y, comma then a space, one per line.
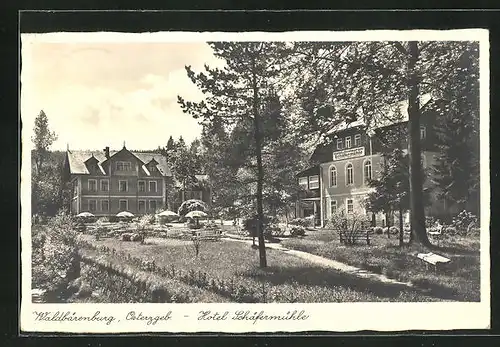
329, 263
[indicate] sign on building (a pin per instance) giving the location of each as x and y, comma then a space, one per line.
349, 153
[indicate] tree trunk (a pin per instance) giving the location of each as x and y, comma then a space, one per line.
260, 171
401, 231
414, 151
388, 224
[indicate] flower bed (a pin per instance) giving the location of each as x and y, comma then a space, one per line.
121, 282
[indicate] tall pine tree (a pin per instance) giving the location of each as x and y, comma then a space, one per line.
236, 93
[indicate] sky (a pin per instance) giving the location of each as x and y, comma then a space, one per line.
102, 94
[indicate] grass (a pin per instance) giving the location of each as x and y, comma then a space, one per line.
457, 281
286, 279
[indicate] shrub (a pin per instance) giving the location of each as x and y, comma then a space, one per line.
303, 222
191, 205
147, 219
274, 230
127, 236
430, 221
464, 221
55, 255
451, 230
297, 230
348, 225
378, 230
136, 237
394, 230
250, 225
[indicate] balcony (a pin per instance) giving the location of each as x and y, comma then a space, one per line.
309, 194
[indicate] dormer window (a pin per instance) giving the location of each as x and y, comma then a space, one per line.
357, 140
123, 166
348, 142
339, 143
152, 166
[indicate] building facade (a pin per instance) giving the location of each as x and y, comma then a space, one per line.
105, 183
343, 167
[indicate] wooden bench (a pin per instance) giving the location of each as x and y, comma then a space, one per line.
433, 259
362, 234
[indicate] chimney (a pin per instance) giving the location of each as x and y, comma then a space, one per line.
106, 152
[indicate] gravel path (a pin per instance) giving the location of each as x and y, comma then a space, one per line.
329, 263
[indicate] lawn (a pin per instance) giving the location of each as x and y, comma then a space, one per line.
286, 279
458, 281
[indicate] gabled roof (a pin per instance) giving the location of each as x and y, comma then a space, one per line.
76, 161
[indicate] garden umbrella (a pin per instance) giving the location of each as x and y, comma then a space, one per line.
196, 215
167, 213
125, 214
85, 214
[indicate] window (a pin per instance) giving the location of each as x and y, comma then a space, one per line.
367, 170
152, 205
141, 185
92, 205
350, 206
123, 186
423, 132
314, 182
105, 205
303, 182
123, 166
357, 140
123, 205
349, 179
424, 161
105, 185
153, 168
152, 186
339, 143
348, 142
142, 206
333, 176
92, 185
333, 206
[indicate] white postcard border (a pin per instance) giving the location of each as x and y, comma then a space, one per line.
343, 317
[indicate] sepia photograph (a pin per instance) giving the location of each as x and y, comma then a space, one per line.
218, 170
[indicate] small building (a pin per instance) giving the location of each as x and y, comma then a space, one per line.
107, 182
340, 170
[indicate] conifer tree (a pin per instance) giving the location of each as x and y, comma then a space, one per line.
236, 93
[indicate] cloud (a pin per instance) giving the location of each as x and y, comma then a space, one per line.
97, 103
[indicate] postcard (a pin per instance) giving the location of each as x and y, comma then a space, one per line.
255, 182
